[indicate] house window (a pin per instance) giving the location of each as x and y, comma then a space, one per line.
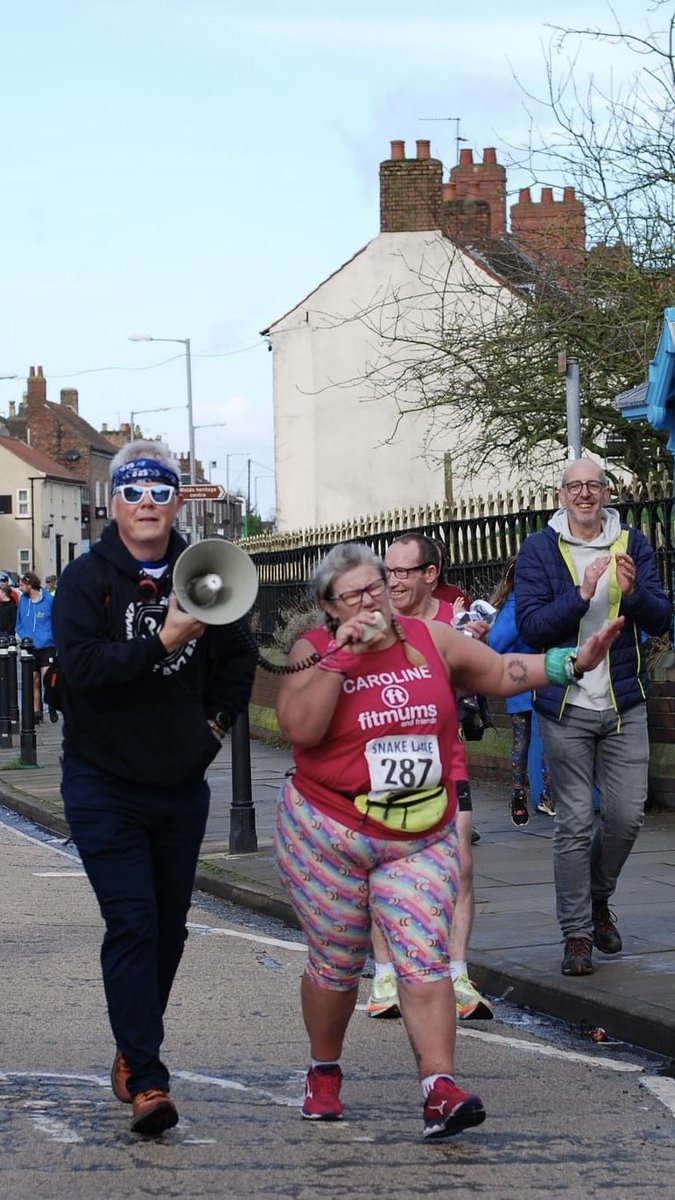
24, 561
6, 505
22, 502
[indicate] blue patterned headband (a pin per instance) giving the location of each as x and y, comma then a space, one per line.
146, 470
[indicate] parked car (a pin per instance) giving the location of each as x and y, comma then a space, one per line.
11, 575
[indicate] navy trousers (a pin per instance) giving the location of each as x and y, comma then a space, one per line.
139, 847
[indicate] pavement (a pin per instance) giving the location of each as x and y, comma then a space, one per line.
516, 948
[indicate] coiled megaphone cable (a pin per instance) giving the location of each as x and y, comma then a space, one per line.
293, 668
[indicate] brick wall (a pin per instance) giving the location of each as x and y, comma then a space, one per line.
661, 714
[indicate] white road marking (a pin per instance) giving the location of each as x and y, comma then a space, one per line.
604, 1064
60, 874
233, 1085
662, 1088
247, 937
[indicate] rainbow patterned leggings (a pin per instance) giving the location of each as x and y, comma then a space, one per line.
337, 877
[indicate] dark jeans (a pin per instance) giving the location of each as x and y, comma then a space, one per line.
139, 847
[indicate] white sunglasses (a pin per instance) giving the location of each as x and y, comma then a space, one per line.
133, 493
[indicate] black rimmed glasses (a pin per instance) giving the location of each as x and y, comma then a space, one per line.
353, 598
404, 572
593, 486
133, 493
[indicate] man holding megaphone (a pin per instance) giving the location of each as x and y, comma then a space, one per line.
149, 687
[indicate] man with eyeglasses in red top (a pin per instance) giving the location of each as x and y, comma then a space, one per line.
412, 564
584, 568
149, 694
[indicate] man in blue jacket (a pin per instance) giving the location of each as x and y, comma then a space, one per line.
583, 569
149, 694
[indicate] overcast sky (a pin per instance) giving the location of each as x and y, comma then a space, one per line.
192, 168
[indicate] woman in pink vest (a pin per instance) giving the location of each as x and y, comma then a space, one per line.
366, 825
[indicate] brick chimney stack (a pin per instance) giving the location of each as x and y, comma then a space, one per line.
481, 183
70, 397
550, 229
465, 221
36, 386
411, 190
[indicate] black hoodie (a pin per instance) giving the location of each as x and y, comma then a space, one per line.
129, 707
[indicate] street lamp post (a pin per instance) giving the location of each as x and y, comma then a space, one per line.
136, 412
144, 337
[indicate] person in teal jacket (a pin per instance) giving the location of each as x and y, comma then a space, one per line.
504, 638
34, 620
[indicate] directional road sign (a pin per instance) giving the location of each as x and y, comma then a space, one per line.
202, 491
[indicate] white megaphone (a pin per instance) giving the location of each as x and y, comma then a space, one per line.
215, 581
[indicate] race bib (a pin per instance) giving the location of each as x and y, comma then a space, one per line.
403, 764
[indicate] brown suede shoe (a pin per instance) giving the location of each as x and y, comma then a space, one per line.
154, 1111
118, 1078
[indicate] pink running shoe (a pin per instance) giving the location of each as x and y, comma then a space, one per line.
322, 1094
448, 1110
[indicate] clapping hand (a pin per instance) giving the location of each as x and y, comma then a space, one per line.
593, 573
625, 573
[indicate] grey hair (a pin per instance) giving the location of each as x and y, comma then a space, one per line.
338, 560
140, 448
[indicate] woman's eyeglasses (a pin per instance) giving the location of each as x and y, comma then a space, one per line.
352, 599
133, 493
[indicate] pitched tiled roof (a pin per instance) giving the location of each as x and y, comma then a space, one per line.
83, 433
37, 460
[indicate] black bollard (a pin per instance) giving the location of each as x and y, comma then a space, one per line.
243, 839
14, 686
5, 722
28, 757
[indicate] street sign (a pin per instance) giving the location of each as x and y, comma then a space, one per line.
202, 491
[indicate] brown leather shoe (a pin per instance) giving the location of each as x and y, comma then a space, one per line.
119, 1076
153, 1112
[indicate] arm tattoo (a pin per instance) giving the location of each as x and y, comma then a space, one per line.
517, 671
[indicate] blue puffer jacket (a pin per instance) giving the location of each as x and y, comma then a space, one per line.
503, 637
549, 608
